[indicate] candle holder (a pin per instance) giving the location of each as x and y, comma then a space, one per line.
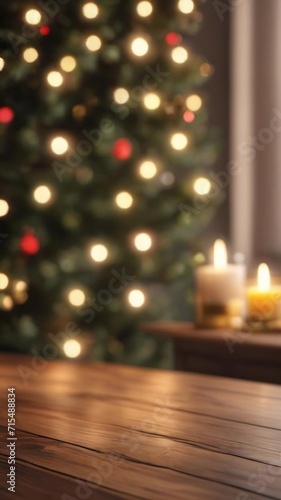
227, 315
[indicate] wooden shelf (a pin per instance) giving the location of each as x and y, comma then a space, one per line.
246, 355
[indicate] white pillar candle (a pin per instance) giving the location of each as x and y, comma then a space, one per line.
220, 291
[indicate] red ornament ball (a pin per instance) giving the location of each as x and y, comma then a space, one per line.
173, 38
29, 244
122, 149
6, 114
44, 30
188, 116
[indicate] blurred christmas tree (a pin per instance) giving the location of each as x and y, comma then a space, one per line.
104, 137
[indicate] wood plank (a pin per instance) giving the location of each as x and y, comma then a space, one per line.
121, 473
105, 418
36, 483
171, 434
190, 459
260, 403
63, 370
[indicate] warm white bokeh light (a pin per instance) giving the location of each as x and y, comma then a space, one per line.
151, 101
99, 253
4, 208
59, 145
144, 8
30, 55
136, 298
33, 16
76, 297
121, 95
68, 64
179, 55
90, 10
72, 348
20, 286
186, 6
8, 303
4, 281
55, 79
139, 47
179, 141
42, 194
2, 63
202, 186
124, 200
143, 242
148, 169
194, 102
93, 43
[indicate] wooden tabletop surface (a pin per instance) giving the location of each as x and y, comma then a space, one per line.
106, 432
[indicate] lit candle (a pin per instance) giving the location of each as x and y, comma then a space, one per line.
220, 291
263, 301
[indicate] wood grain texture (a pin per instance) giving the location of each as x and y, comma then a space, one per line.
113, 432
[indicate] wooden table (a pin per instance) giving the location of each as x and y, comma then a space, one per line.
106, 432
245, 355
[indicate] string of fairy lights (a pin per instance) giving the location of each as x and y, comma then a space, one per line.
15, 291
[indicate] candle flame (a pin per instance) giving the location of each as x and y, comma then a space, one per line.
220, 254
263, 278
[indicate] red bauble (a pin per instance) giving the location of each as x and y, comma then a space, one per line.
29, 244
6, 114
188, 116
173, 38
122, 149
44, 30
